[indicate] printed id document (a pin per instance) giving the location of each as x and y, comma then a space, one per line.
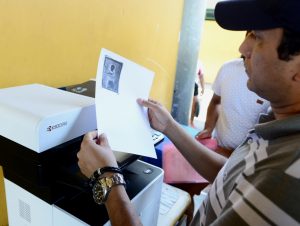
119, 83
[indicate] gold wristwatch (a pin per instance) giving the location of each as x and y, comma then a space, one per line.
103, 186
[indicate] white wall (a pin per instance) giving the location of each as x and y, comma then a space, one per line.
211, 3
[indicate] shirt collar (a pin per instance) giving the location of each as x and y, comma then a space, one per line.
269, 128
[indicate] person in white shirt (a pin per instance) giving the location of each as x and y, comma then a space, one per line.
233, 109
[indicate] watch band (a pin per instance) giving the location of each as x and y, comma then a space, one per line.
102, 187
98, 172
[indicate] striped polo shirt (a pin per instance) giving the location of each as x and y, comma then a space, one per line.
260, 182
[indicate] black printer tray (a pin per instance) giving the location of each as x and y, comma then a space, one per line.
50, 175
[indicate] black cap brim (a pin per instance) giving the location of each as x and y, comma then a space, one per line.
241, 15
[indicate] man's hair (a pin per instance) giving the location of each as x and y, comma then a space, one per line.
289, 46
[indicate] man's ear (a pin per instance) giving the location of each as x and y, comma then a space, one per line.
296, 74
296, 77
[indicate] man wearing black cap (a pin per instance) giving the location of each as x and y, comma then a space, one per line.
260, 183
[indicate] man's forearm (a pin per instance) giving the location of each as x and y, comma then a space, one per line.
205, 161
212, 113
202, 83
120, 210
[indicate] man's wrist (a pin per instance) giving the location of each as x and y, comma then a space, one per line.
208, 128
105, 184
170, 128
117, 194
101, 171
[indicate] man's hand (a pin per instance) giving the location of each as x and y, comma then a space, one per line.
160, 119
203, 134
95, 153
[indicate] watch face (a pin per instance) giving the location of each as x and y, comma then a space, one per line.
103, 186
99, 192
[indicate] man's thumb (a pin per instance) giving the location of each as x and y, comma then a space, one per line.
103, 140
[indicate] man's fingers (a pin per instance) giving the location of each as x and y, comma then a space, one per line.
203, 135
155, 102
152, 101
147, 103
91, 135
103, 140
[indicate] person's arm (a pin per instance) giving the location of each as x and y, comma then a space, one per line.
120, 209
204, 161
194, 104
202, 83
211, 117
96, 153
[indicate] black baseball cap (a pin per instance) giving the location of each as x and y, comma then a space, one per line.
243, 15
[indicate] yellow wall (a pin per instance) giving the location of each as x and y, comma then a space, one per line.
217, 46
58, 42
3, 212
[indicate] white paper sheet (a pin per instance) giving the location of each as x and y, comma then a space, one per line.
119, 83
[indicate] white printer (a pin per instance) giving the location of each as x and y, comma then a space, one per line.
40, 135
